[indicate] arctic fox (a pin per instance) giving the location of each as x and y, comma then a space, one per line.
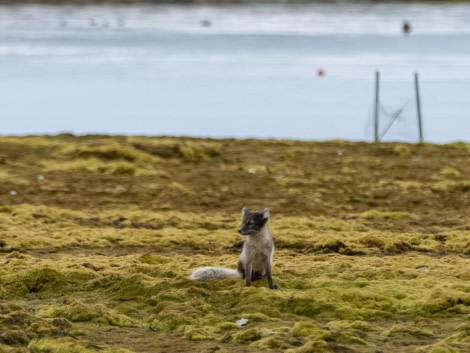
256, 257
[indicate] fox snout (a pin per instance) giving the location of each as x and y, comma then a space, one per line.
241, 231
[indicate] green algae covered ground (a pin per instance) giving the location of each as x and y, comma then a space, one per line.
98, 235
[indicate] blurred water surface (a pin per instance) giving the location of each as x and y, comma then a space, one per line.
234, 71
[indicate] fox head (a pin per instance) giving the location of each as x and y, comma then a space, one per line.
253, 222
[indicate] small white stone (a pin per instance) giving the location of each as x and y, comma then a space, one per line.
241, 322
13, 192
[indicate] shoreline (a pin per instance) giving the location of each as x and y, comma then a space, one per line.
92, 135
224, 2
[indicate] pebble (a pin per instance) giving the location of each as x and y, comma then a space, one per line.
241, 322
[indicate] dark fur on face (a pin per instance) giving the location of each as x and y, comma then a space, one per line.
252, 222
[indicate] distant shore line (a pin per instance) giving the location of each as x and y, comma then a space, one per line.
89, 136
221, 2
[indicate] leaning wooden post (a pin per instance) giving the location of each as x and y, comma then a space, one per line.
376, 114
418, 109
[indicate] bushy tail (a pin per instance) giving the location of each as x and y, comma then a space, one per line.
206, 273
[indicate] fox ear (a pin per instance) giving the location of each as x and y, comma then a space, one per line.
244, 211
266, 214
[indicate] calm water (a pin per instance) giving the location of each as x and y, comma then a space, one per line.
234, 71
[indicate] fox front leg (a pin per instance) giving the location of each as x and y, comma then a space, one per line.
269, 276
241, 269
248, 270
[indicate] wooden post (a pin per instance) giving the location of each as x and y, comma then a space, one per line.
376, 113
418, 109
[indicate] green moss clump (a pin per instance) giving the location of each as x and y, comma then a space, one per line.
42, 328
271, 342
73, 310
348, 332
438, 348
374, 214
111, 151
450, 172
45, 281
313, 347
192, 333
189, 150
461, 335
126, 286
247, 336
168, 321
307, 329
125, 168
372, 241
225, 327
216, 349
14, 337
78, 311
331, 245
312, 304
197, 152
6, 209
258, 317
401, 330
10, 178
398, 247
153, 259
177, 189
401, 150
439, 302
67, 344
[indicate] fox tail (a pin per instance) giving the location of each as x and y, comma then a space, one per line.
206, 273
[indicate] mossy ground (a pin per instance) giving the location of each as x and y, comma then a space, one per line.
98, 235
